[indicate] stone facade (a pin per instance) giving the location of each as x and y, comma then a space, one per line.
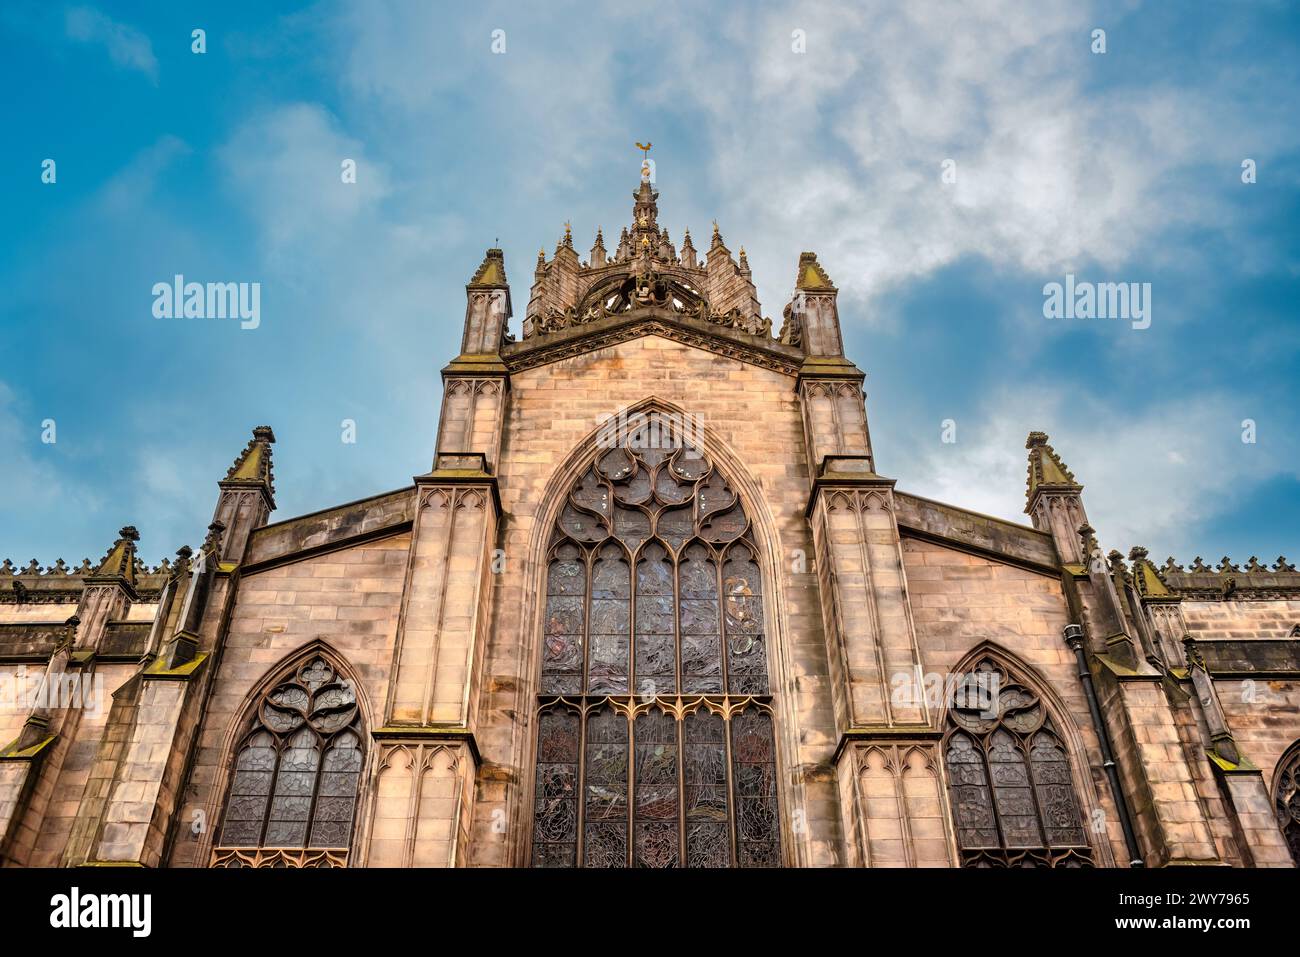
364, 686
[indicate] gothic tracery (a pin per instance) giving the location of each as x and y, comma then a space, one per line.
655, 744
1009, 775
295, 775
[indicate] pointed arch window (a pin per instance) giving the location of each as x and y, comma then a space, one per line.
1009, 777
1286, 799
293, 787
655, 744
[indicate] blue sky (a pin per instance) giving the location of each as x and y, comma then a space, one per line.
1123, 166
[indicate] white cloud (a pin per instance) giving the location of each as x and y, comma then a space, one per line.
1152, 474
550, 99
1061, 165
287, 166
126, 46
35, 480
1058, 165
131, 188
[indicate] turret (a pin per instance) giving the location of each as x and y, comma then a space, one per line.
247, 495
813, 311
487, 307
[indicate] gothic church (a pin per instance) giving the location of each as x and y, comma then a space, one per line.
652, 606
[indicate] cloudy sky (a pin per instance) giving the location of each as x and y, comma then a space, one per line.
1122, 166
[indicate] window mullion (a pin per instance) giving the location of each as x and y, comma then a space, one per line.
270, 795
589, 559
733, 812
681, 789
719, 557
630, 718
992, 789
580, 847
315, 788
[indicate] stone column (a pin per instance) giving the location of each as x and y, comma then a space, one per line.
892, 807
428, 754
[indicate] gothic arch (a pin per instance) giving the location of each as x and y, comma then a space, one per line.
311, 693
1286, 798
1016, 723
765, 552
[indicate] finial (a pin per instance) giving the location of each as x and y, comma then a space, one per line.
598, 250
645, 150
253, 466
1087, 535
212, 542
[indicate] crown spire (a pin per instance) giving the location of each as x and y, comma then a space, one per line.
645, 211
566, 241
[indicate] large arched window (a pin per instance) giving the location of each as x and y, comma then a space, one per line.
1009, 777
293, 788
654, 741
1286, 799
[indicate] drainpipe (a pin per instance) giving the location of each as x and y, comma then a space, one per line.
1074, 638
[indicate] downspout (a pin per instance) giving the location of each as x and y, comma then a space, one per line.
1074, 638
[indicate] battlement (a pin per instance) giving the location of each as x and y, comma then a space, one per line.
1253, 580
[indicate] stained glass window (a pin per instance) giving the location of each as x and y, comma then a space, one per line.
1009, 778
655, 745
297, 770
1286, 798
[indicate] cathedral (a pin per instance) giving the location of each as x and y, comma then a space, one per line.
652, 605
